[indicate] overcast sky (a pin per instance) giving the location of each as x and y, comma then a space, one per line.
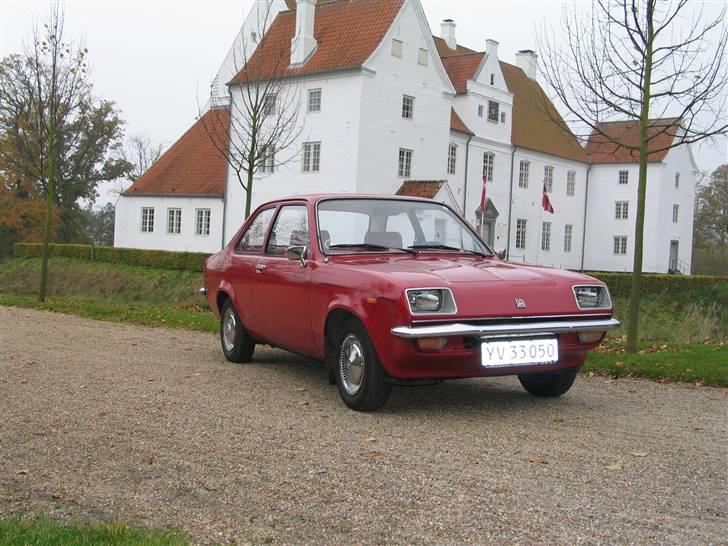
155, 58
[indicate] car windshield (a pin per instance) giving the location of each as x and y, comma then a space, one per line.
394, 225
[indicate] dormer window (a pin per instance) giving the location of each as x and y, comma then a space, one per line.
397, 48
493, 111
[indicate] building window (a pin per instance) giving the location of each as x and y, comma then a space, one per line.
423, 57
677, 180
481, 108
520, 233
452, 156
405, 163
269, 104
546, 236
548, 178
408, 107
311, 157
492, 79
571, 183
675, 211
623, 177
397, 48
523, 174
269, 160
147, 220
493, 111
568, 233
503, 117
174, 221
202, 222
620, 244
314, 100
488, 165
621, 210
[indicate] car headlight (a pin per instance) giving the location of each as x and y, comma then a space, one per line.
592, 297
425, 301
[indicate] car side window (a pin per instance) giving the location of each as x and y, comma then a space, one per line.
252, 240
290, 229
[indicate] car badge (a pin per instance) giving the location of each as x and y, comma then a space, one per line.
520, 304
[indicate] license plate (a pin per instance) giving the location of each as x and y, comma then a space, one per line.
518, 352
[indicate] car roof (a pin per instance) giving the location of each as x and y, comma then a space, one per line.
314, 198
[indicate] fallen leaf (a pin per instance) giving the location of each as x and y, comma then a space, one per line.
559, 420
23, 472
149, 459
301, 389
639, 453
537, 460
614, 466
372, 439
500, 489
303, 403
372, 454
23, 381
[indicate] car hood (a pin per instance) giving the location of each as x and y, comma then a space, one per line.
482, 287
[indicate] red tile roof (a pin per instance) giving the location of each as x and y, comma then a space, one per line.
444, 51
602, 150
192, 166
461, 68
347, 33
456, 124
420, 188
537, 124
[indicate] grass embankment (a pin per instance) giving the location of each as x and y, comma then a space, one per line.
684, 336
44, 531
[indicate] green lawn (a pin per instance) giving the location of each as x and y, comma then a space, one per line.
45, 532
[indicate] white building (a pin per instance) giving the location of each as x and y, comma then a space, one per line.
388, 108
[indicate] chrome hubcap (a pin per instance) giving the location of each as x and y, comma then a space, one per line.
229, 330
351, 364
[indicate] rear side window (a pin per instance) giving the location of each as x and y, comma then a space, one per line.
254, 237
290, 229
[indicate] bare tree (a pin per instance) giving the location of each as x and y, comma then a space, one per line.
637, 60
263, 102
140, 153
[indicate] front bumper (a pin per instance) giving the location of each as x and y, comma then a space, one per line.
497, 330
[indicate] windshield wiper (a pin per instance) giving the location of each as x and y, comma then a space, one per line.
371, 246
442, 246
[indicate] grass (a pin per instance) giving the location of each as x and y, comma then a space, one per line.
45, 531
684, 335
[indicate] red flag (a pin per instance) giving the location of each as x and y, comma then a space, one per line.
545, 201
482, 196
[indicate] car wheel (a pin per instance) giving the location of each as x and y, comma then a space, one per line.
361, 380
549, 384
237, 345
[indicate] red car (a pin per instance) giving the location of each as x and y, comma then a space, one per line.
391, 290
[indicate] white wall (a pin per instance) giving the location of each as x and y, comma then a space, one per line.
383, 130
128, 233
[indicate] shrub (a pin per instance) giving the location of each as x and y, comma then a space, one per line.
620, 284
186, 261
35, 250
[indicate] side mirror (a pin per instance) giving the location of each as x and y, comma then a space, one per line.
297, 253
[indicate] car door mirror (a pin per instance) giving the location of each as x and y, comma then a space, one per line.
297, 253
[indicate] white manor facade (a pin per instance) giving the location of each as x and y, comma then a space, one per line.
388, 108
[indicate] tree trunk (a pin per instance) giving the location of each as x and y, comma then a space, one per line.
50, 198
248, 193
634, 295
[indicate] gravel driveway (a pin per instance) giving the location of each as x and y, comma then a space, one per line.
152, 427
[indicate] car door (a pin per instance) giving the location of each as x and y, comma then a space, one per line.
281, 289
242, 268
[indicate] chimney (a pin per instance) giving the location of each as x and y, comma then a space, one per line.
447, 33
303, 43
491, 48
527, 60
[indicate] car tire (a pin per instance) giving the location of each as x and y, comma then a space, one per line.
363, 384
236, 344
549, 384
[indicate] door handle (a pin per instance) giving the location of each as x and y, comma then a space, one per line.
259, 268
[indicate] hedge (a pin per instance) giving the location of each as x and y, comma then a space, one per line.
620, 284
187, 261
35, 250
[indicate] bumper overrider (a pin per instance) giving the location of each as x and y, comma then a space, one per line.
500, 330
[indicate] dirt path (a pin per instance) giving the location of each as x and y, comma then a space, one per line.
152, 426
